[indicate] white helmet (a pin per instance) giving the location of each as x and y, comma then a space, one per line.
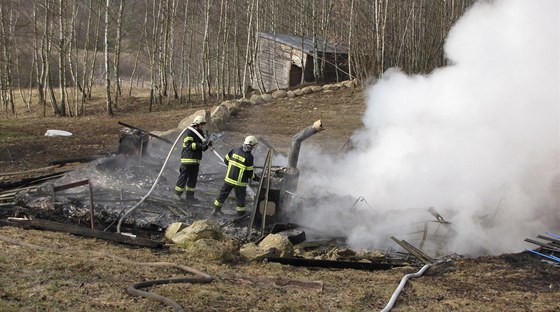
251, 140
198, 120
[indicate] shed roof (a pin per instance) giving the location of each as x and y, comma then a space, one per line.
296, 42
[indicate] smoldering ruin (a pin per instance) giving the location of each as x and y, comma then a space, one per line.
100, 194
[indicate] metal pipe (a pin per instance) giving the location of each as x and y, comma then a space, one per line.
300, 137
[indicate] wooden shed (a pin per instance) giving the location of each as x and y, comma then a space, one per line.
283, 59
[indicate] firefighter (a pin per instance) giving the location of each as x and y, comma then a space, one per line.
193, 146
240, 169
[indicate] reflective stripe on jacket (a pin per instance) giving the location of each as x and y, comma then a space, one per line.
192, 148
240, 167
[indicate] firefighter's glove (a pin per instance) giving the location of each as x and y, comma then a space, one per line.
256, 178
206, 145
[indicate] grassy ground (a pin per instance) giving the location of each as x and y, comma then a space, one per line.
48, 271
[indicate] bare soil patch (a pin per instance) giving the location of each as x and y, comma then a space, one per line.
79, 274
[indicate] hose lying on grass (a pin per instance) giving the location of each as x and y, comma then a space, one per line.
395, 295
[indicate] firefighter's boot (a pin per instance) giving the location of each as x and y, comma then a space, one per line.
191, 198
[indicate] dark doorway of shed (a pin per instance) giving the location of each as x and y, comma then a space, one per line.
295, 75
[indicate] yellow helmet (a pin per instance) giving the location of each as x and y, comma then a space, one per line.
198, 120
251, 140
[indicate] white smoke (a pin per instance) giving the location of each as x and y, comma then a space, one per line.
478, 140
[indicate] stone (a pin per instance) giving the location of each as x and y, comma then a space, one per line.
200, 229
256, 99
188, 120
282, 245
279, 94
173, 228
267, 97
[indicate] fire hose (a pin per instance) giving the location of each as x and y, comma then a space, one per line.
395, 295
129, 211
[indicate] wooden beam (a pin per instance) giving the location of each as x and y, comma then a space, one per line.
86, 232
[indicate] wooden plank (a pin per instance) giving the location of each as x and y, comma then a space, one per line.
336, 264
27, 171
30, 181
414, 251
70, 185
550, 239
82, 231
543, 245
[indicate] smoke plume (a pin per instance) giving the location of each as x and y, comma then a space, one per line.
477, 140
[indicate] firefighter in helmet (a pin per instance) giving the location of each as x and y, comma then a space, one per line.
194, 144
240, 169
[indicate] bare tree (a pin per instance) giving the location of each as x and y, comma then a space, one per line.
6, 78
117, 59
107, 67
248, 47
62, 57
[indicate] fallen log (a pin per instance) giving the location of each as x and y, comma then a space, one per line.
82, 231
27, 171
83, 159
336, 264
30, 181
144, 131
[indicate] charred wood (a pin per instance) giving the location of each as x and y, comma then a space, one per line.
30, 181
338, 264
86, 232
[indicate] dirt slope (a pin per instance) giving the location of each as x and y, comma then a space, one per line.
81, 274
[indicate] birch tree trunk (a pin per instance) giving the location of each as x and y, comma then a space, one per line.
46, 61
350, 48
107, 67
62, 58
91, 80
247, 51
117, 59
7, 90
171, 54
183, 52
205, 55
72, 53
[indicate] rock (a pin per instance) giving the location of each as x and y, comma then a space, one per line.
279, 94
201, 229
188, 120
330, 87
173, 228
256, 99
252, 252
328, 91
220, 117
232, 106
316, 88
298, 92
306, 90
267, 97
282, 245
244, 102
291, 94
349, 83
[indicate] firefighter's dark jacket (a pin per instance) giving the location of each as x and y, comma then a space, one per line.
240, 167
192, 148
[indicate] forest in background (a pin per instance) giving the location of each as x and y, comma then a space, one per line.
55, 52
